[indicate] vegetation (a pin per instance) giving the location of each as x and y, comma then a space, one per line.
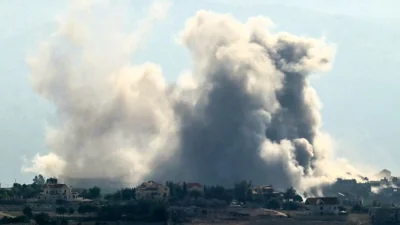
27, 212
91, 193
117, 206
273, 203
123, 195
61, 211
141, 211
13, 220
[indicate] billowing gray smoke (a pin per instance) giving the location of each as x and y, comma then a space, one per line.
245, 110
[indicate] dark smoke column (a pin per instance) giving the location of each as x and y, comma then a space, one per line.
252, 114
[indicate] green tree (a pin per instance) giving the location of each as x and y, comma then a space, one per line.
39, 180
87, 208
241, 190
82, 210
41, 218
273, 203
290, 194
291, 205
171, 188
298, 198
219, 193
27, 211
61, 210
17, 190
71, 211
28, 192
94, 192
195, 194
184, 189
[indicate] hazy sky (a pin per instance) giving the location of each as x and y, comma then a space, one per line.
358, 95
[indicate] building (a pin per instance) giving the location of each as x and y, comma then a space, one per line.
381, 215
152, 190
193, 187
263, 190
323, 206
266, 190
53, 192
351, 187
350, 199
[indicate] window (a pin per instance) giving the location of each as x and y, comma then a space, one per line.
321, 208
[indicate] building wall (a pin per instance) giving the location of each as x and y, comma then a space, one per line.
323, 209
151, 190
54, 194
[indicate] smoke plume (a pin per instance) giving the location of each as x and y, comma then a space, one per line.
245, 110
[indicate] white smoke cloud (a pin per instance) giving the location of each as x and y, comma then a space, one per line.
246, 102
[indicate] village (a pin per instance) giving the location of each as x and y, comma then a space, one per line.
47, 201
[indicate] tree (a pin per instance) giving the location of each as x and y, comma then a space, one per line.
273, 203
28, 191
289, 205
184, 189
94, 192
289, 194
159, 213
61, 210
17, 189
241, 190
195, 194
87, 208
298, 198
41, 218
128, 193
27, 212
171, 188
39, 180
71, 211
82, 210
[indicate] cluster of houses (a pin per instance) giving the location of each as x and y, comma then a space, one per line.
344, 192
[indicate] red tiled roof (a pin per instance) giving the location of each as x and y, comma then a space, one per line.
322, 200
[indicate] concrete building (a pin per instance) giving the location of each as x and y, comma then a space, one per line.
323, 206
54, 192
151, 190
266, 190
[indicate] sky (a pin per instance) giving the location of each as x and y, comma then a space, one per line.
358, 94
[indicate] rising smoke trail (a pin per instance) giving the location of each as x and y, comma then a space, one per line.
245, 111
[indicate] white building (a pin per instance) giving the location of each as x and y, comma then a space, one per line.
323, 206
151, 190
54, 192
